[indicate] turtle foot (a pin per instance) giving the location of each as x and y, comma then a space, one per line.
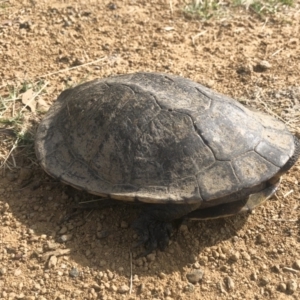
153, 233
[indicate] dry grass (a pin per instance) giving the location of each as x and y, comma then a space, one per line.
206, 9
17, 122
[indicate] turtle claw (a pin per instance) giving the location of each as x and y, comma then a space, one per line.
153, 234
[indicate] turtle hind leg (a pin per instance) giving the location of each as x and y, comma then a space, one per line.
153, 233
157, 223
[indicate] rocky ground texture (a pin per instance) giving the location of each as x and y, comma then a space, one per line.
46, 46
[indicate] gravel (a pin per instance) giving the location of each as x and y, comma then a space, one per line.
194, 276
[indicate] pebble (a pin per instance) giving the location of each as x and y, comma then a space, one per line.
253, 276
197, 265
261, 239
264, 65
17, 272
194, 276
264, 281
221, 287
235, 257
74, 272
65, 237
52, 245
246, 256
189, 288
229, 283
124, 224
3, 271
151, 257
282, 287
123, 289
52, 262
183, 228
63, 230
276, 268
291, 286
296, 264
203, 260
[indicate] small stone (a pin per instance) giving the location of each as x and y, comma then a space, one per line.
124, 224
3, 271
291, 286
203, 260
221, 287
17, 272
151, 257
52, 245
63, 230
183, 228
102, 263
263, 65
276, 268
194, 276
189, 288
261, 239
229, 283
246, 256
52, 262
197, 265
123, 289
162, 275
253, 276
296, 264
264, 281
282, 287
235, 257
65, 237
167, 292
209, 83
215, 254
74, 272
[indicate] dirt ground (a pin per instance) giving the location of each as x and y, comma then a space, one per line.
44, 255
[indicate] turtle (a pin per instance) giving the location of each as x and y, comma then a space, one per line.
178, 147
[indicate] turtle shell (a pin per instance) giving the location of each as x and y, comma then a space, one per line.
160, 138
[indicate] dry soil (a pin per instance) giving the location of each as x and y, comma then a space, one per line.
46, 255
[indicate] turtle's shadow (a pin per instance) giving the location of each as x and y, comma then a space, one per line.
103, 239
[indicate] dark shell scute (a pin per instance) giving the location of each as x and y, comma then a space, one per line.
272, 154
228, 131
218, 180
250, 166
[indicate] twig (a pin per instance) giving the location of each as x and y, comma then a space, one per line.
288, 193
9, 153
171, 6
286, 269
76, 67
276, 52
130, 289
284, 220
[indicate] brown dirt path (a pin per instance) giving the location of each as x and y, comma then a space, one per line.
252, 58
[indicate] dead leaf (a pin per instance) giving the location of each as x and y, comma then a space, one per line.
28, 99
42, 105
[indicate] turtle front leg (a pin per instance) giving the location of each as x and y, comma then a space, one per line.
157, 222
